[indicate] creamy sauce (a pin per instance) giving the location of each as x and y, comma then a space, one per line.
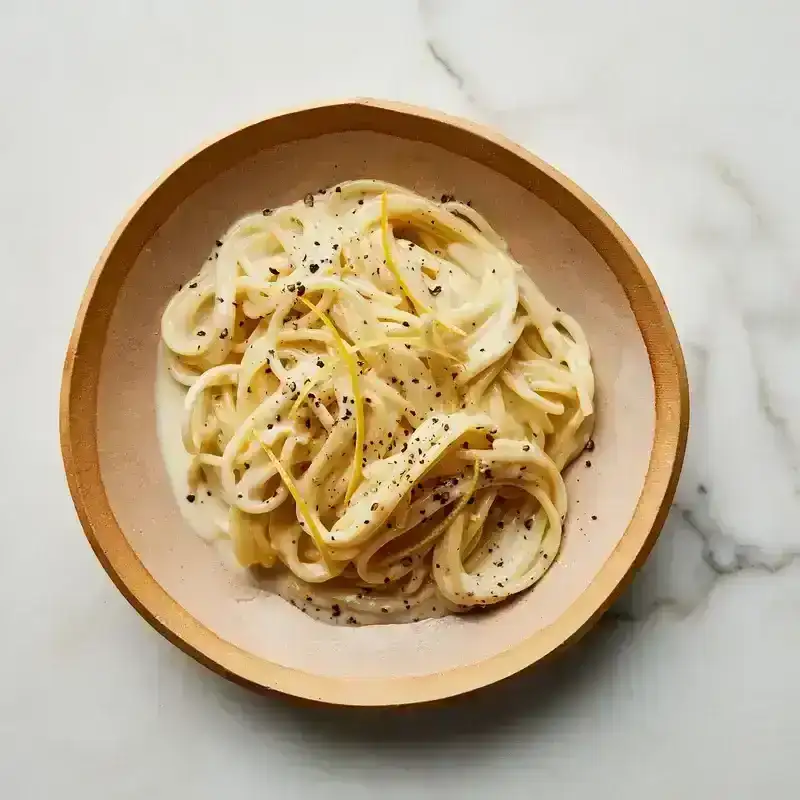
431, 374
207, 516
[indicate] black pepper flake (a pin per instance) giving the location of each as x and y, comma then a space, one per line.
193, 285
309, 200
594, 516
374, 507
301, 290
224, 334
336, 610
320, 363
274, 271
588, 463
436, 290
338, 189
361, 202
406, 324
266, 211
386, 580
201, 333
313, 267
528, 524
190, 498
590, 446
526, 448
218, 243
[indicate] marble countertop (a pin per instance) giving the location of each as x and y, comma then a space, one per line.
681, 117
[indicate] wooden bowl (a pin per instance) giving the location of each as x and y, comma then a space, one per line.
580, 259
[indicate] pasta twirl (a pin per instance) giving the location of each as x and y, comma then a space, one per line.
382, 401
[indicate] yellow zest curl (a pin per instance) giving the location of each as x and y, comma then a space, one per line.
358, 398
420, 306
302, 506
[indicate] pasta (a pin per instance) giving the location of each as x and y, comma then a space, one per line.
381, 403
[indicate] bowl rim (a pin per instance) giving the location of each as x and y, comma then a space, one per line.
78, 410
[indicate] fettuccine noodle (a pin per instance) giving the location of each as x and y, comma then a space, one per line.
382, 401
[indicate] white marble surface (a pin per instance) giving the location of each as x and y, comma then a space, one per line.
681, 117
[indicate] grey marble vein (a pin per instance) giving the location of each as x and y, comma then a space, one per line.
723, 553
444, 64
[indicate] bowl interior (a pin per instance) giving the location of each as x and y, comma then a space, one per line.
570, 271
